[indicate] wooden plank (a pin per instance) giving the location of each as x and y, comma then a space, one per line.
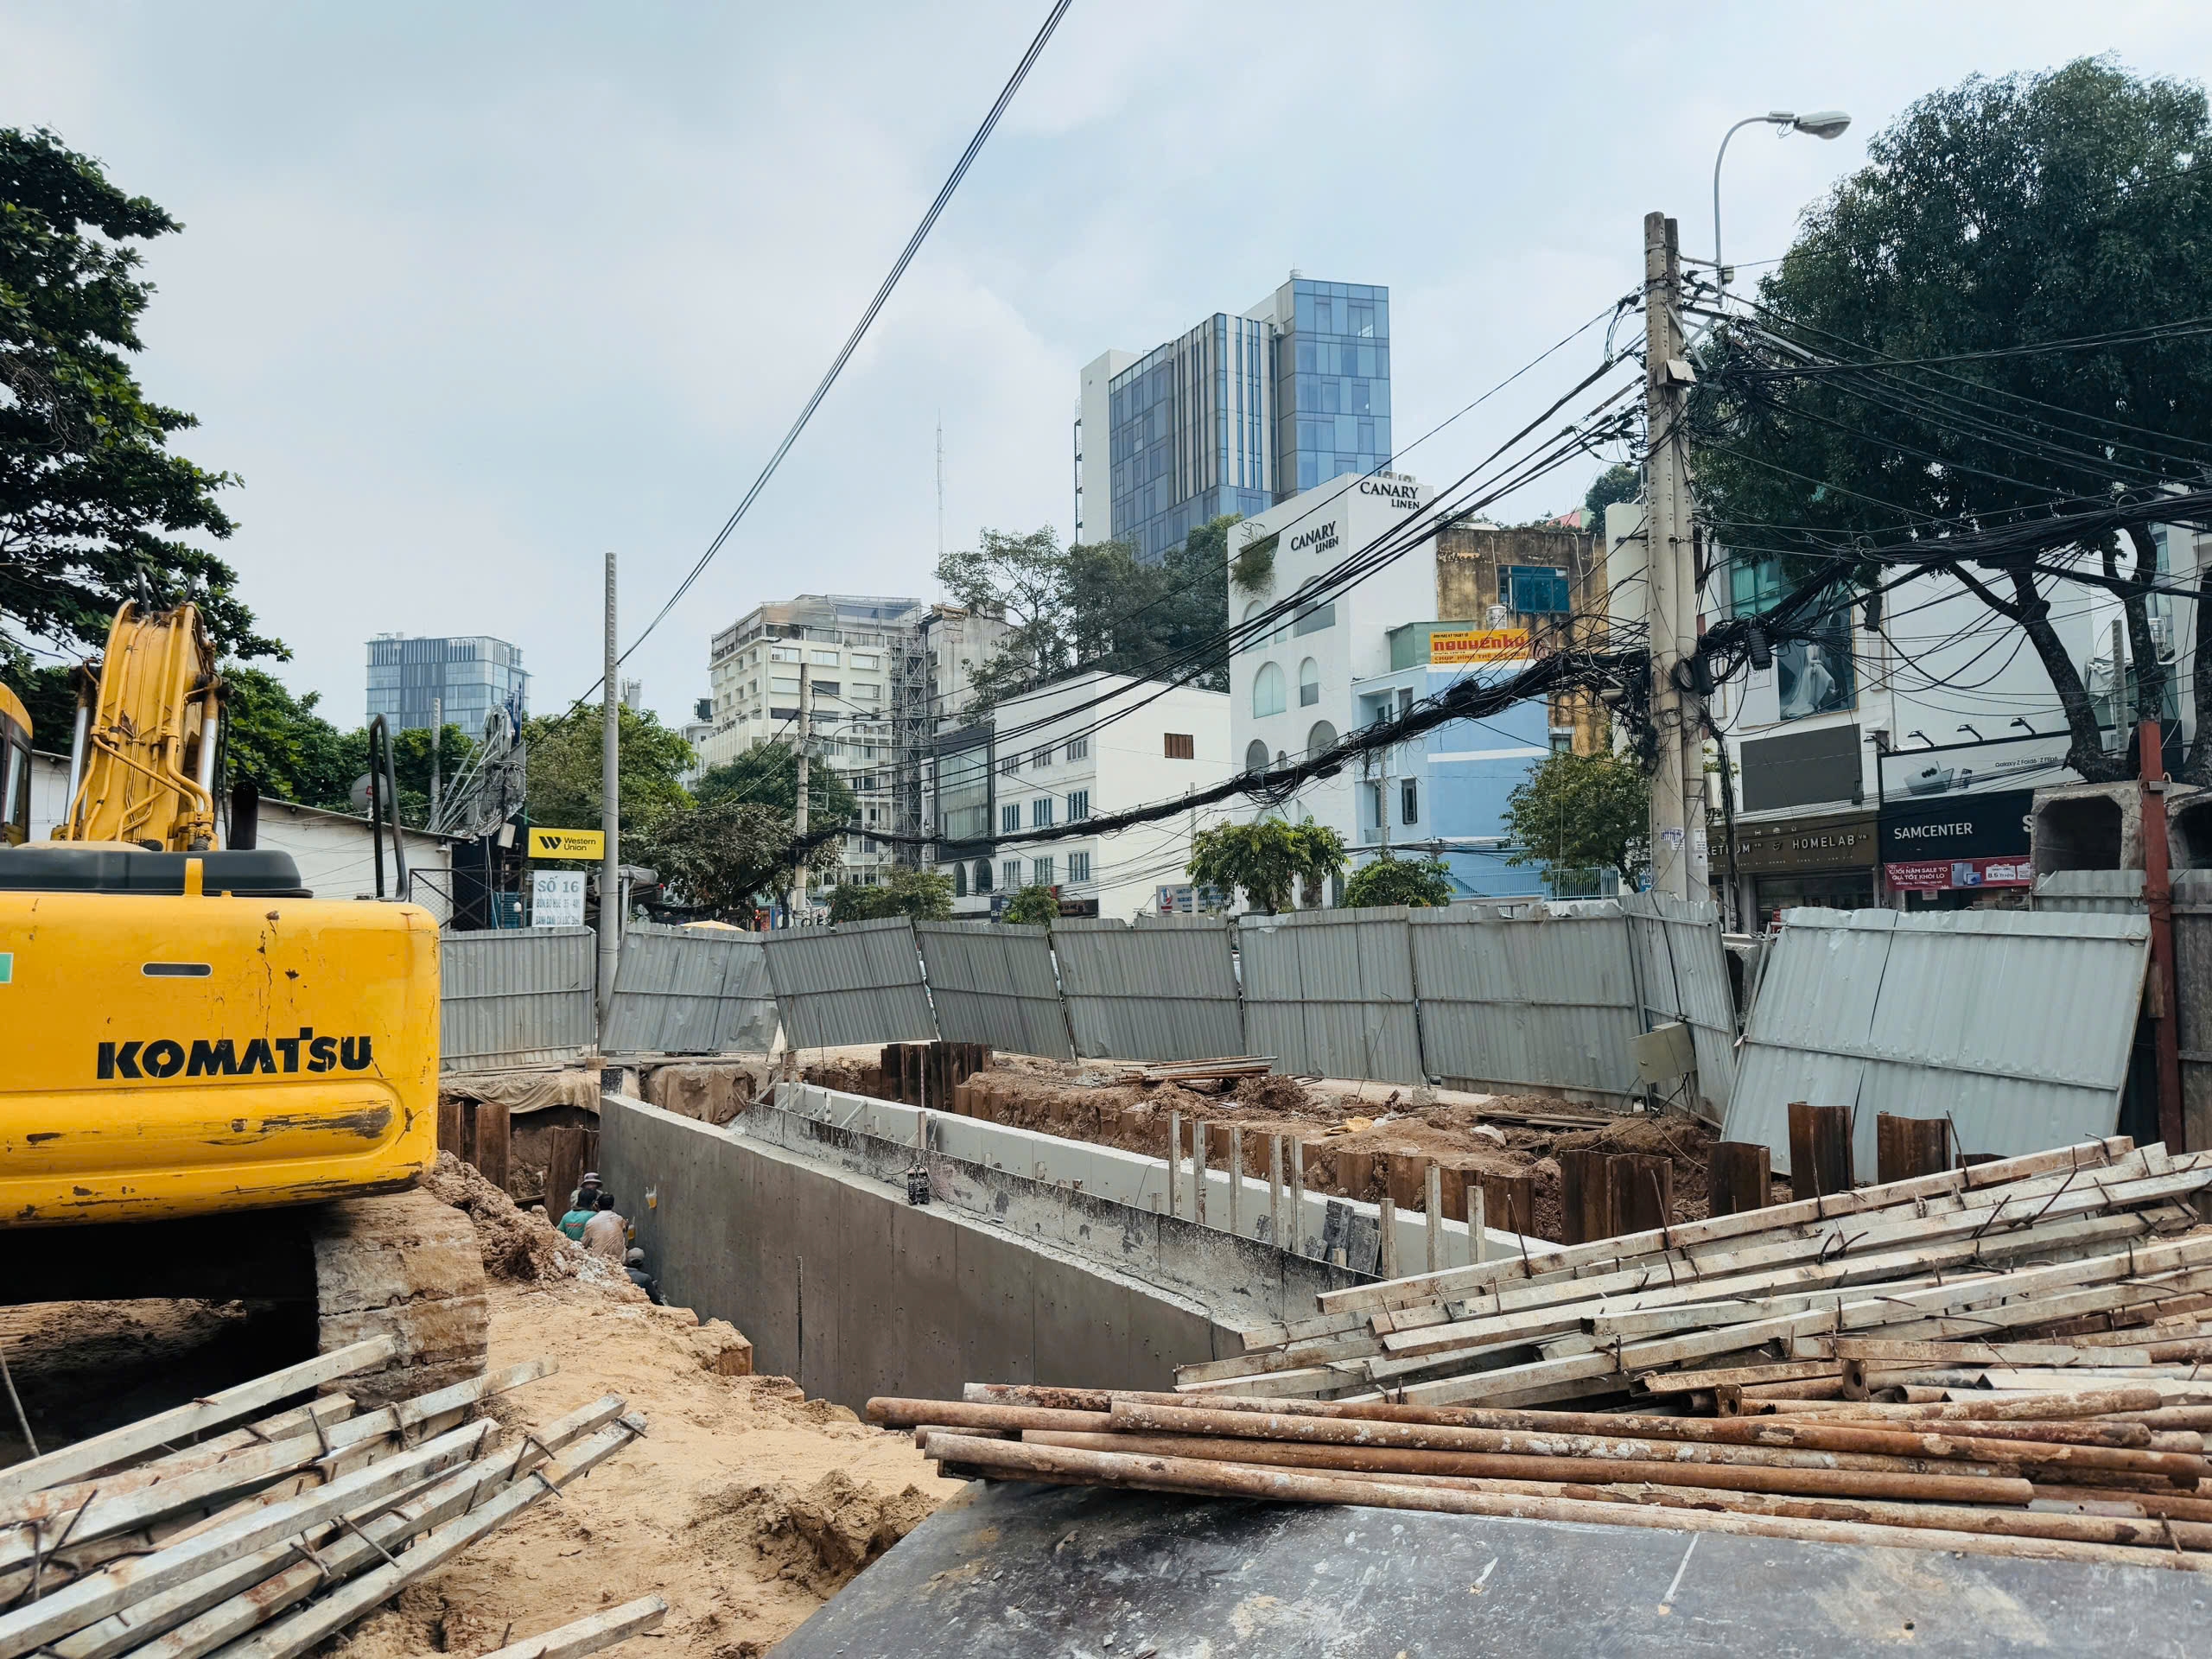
117, 1446
565, 1168
492, 1142
583, 1635
1820, 1150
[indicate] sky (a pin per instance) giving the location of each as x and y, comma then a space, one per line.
468, 295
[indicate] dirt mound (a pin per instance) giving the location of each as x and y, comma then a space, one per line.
517, 1244
817, 1538
1274, 1093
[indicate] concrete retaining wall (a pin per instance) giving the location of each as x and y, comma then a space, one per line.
841, 1284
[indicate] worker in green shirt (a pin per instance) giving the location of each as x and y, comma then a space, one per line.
583, 1204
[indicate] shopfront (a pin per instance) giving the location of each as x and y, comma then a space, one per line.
1946, 853
1826, 860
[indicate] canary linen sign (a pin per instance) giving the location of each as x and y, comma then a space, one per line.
567, 843
1477, 644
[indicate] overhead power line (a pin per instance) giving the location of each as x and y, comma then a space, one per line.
859, 329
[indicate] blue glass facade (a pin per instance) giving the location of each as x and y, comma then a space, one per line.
1332, 385
1243, 412
468, 677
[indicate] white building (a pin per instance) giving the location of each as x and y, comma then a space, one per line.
1299, 689
1044, 758
1893, 765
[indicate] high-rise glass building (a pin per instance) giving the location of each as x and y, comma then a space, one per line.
468, 677
1235, 416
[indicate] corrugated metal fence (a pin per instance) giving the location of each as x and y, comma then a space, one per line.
1682, 975
690, 990
859, 983
1330, 993
1165, 991
515, 997
2015, 1024
993, 983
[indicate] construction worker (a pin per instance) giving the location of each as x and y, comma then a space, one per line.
606, 1234
633, 1263
583, 1204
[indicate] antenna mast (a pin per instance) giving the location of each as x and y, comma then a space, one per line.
940, 485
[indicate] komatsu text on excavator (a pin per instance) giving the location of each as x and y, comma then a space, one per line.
222, 1086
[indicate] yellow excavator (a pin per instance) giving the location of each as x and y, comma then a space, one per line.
221, 1087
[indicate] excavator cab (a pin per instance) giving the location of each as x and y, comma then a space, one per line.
14, 770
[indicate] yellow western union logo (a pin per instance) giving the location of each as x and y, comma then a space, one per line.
568, 844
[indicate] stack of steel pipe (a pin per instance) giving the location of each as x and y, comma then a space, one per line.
2020, 1276
2073, 1476
262, 1520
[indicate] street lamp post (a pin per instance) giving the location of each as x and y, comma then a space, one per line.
1821, 124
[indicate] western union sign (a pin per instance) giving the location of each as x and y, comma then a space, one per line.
567, 843
1477, 644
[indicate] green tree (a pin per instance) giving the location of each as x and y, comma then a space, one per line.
565, 768
1619, 482
722, 854
1990, 217
1266, 860
1026, 576
94, 508
1421, 882
768, 773
49, 698
1032, 907
288, 749
919, 895
1582, 812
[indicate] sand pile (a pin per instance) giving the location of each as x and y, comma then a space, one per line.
518, 1244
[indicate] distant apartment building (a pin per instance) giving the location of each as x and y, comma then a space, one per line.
1235, 415
1465, 601
461, 679
1062, 754
873, 668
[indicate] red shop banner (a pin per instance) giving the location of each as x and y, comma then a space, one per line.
1942, 875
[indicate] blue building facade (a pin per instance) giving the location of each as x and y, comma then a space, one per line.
1239, 413
467, 677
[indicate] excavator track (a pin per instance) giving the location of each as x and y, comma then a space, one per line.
406, 1266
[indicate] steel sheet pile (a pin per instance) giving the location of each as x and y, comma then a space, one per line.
2007, 1359
216, 1528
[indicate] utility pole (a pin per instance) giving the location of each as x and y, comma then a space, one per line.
610, 808
1678, 853
437, 733
940, 486
798, 816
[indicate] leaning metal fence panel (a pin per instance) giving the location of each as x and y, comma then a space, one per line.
1542, 997
1683, 976
1167, 991
858, 984
689, 990
515, 997
993, 983
1330, 993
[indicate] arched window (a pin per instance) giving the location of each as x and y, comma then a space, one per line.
983, 875
960, 880
1268, 690
1255, 756
1309, 683
1323, 736
1251, 611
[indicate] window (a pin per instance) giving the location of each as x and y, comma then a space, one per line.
983, 875
1078, 806
829, 689
1255, 756
783, 654
1323, 736
1179, 746
1078, 867
1078, 748
779, 686
864, 659
1009, 817
1410, 800
1040, 872
867, 693
960, 880
1267, 691
1040, 812
1012, 871
823, 658
1312, 619
1040, 759
1009, 766
1309, 683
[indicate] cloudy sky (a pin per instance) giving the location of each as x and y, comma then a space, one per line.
469, 294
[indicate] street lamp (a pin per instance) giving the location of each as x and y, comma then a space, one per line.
1821, 124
